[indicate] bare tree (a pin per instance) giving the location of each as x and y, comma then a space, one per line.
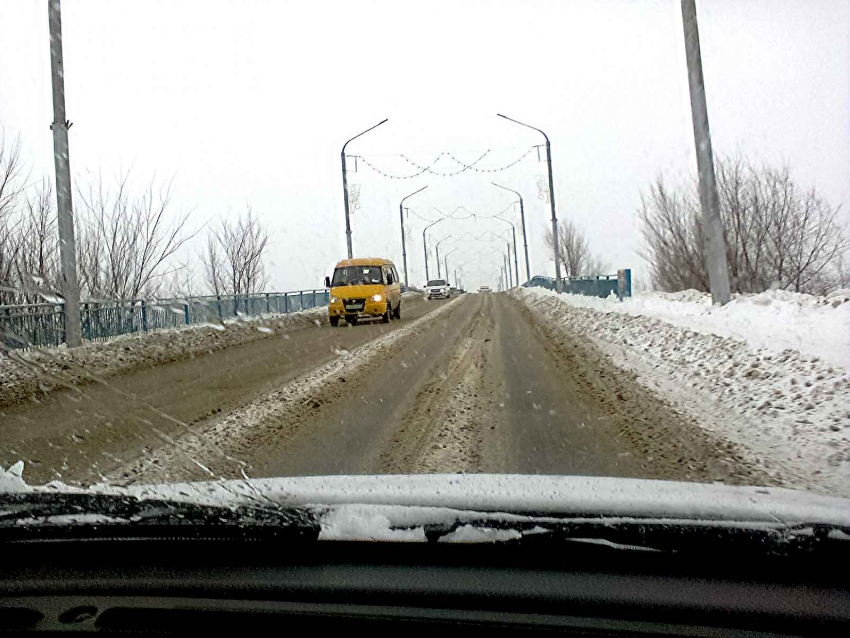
574, 251
233, 257
37, 263
12, 176
776, 233
213, 265
12, 184
183, 282
127, 241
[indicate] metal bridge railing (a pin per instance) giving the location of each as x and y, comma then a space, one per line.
42, 324
591, 286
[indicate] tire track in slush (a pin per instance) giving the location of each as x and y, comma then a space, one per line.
443, 431
223, 446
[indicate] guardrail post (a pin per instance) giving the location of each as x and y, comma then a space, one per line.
144, 317
301, 300
186, 313
86, 320
286, 303
624, 283
218, 298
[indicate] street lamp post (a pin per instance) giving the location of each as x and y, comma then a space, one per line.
437, 250
446, 264
558, 285
345, 187
516, 262
524, 238
403, 245
425, 245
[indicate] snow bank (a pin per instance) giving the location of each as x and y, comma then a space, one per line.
767, 372
29, 375
774, 320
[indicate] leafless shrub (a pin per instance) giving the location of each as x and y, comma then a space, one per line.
574, 251
233, 256
776, 233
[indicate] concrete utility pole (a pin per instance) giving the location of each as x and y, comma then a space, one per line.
508, 264
65, 217
558, 284
345, 187
715, 245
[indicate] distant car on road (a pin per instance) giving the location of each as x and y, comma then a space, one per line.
438, 289
483, 289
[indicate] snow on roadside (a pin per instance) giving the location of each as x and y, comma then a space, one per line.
764, 372
775, 320
29, 375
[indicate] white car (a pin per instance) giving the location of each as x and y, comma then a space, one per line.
438, 289
484, 289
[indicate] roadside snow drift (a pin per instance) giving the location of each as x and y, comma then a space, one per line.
767, 372
29, 375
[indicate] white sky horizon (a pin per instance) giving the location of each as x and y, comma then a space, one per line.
252, 102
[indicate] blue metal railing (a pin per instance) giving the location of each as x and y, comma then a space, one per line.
593, 286
37, 325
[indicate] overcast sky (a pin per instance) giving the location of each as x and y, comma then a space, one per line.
251, 102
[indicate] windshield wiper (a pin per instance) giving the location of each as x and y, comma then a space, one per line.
656, 535
30, 511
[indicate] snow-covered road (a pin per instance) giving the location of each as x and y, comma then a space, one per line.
526, 382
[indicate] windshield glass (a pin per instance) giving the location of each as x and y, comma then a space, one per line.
357, 275
614, 289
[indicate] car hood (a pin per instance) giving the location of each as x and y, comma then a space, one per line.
356, 292
362, 502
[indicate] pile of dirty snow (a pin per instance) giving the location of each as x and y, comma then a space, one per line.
775, 320
29, 375
767, 372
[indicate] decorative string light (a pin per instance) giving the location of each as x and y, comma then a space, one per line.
421, 169
446, 174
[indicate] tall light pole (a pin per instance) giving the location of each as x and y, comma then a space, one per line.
558, 285
524, 237
425, 245
446, 263
715, 245
507, 266
403, 246
516, 262
345, 187
61, 159
437, 250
